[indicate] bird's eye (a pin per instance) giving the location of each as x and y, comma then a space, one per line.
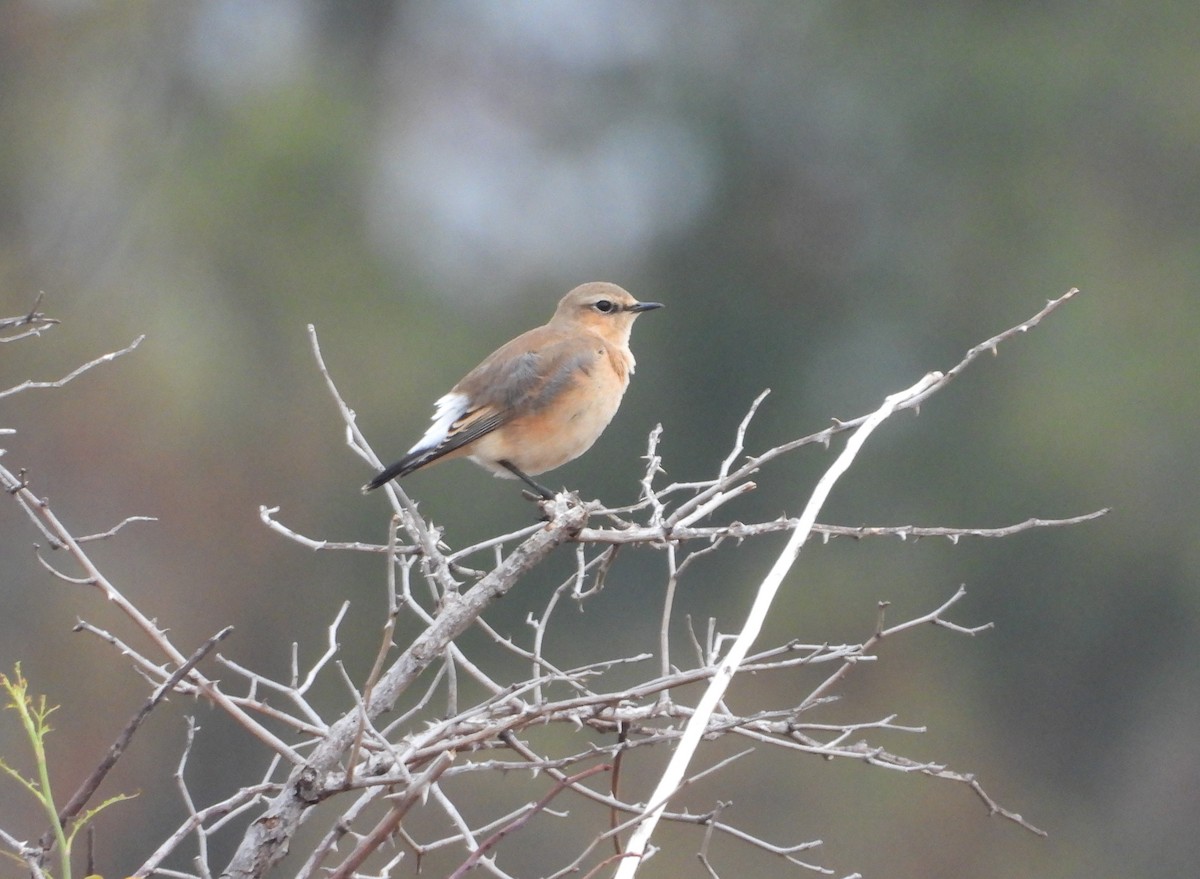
604, 306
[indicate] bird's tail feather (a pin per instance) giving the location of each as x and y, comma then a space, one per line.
403, 467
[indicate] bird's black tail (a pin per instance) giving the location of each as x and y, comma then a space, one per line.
403, 467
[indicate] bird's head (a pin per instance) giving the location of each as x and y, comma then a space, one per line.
602, 308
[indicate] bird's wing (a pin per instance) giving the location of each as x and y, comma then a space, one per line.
522, 376
530, 372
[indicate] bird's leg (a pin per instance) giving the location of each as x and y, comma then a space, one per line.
516, 471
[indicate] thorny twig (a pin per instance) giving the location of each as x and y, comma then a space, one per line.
34, 322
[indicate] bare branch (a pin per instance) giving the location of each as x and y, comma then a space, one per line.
405, 507
492, 841
195, 823
387, 826
73, 374
839, 426
742, 531
267, 840
766, 594
111, 532
34, 322
83, 795
41, 512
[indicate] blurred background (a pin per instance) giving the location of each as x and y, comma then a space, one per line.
831, 199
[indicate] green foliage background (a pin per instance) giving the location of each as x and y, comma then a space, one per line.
831, 198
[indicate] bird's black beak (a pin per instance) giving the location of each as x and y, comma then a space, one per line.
643, 306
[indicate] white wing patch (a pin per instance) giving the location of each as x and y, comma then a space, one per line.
446, 411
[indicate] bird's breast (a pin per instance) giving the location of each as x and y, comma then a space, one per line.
565, 423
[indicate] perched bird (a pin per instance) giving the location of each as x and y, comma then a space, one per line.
542, 399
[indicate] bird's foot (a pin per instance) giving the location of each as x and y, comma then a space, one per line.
556, 505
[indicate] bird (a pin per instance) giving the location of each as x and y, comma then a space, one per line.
540, 400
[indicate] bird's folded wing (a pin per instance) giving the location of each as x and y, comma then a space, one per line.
508, 385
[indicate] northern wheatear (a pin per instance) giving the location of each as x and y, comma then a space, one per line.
542, 399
